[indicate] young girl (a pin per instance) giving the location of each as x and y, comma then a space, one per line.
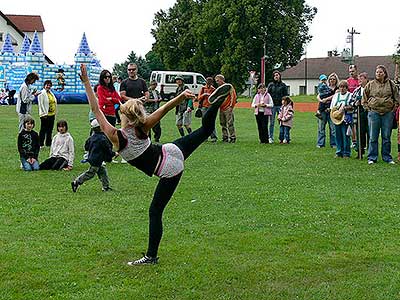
61, 150
285, 118
28, 146
262, 104
165, 161
339, 107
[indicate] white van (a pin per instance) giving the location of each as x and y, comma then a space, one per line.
194, 81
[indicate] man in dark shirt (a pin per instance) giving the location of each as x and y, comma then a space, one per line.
133, 87
277, 89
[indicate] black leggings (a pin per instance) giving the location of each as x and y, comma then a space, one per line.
166, 186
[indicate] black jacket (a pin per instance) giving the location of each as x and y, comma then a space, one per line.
100, 149
277, 90
28, 144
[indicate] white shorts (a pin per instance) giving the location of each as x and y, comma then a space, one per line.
172, 163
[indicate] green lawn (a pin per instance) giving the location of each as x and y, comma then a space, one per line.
248, 221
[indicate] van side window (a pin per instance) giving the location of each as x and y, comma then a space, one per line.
188, 79
200, 80
170, 78
158, 78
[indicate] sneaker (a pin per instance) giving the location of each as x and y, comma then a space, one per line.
213, 140
391, 162
270, 140
106, 189
232, 141
84, 161
74, 186
353, 145
220, 94
285, 141
319, 146
115, 161
123, 161
371, 162
145, 260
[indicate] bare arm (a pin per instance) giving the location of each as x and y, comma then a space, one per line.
109, 130
156, 116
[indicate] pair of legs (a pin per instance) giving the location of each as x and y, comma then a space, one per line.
184, 119
166, 186
54, 163
226, 120
284, 134
326, 119
342, 141
157, 132
262, 126
275, 112
91, 172
46, 130
27, 166
380, 124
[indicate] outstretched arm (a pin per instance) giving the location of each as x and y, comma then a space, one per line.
109, 130
156, 116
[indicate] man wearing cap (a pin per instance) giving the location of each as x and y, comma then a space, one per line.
183, 111
133, 87
204, 93
277, 89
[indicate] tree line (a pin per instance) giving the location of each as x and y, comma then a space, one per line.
227, 37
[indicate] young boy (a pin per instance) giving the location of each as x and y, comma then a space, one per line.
100, 150
324, 92
28, 146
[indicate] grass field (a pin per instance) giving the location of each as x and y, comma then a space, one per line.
248, 221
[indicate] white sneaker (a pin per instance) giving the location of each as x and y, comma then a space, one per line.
391, 162
123, 161
284, 141
270, 140
371, 162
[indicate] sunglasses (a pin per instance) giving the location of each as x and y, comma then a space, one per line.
131, 70
107, 76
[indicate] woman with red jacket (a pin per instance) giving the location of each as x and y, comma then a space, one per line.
107, 96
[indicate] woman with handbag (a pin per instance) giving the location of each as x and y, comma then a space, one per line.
380, 99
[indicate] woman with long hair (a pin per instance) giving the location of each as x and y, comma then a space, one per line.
108, 96
165, 161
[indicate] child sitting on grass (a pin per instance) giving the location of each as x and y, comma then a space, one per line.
28, 146
285, 118
324, 92
99, 150
61, 150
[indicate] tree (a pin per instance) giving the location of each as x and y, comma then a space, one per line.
229, 36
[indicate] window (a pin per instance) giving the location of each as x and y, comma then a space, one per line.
302, 89
1, 37
200, 80
170, 78
158, 78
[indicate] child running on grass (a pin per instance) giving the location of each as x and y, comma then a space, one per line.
165, 161
99, 150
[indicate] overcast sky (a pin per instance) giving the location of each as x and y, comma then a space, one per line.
116, 28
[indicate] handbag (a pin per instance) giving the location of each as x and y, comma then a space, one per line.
198, 113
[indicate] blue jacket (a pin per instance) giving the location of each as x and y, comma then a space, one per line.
100, 149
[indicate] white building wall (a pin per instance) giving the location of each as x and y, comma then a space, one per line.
295, 85
4, 29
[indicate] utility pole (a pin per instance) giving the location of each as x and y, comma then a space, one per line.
350, 39
305, 73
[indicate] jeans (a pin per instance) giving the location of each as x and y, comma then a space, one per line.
342, 141
321, 130
28, 166
284, 133
380, 123
275, 112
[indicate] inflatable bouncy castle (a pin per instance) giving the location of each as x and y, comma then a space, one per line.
66, 82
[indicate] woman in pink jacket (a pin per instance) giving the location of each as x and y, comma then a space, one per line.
262, 104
